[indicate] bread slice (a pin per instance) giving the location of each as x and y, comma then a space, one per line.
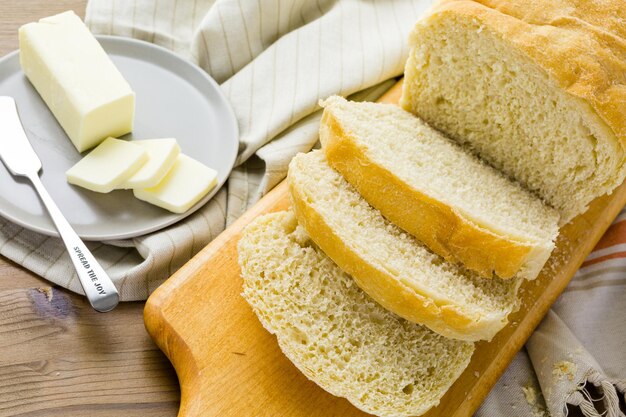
391, 266
538, 90
461, 208
334, 333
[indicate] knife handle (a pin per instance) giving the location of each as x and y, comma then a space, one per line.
98, 287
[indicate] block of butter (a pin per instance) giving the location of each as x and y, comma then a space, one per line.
183, 186
162, 154
107, 166
87, 94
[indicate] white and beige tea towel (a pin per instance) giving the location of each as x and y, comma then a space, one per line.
274, 59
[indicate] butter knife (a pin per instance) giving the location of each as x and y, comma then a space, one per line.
21, 160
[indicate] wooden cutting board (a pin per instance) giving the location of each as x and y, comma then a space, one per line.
229, 365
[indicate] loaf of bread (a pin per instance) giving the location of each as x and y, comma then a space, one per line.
537, 88
461, 208
334, 333
391, 266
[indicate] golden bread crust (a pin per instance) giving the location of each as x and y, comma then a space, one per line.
580, 44
441, 316
446, 231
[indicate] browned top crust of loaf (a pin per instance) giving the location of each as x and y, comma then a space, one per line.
581, 44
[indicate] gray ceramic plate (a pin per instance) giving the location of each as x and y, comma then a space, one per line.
174, 99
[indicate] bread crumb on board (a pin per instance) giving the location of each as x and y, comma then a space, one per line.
47, 291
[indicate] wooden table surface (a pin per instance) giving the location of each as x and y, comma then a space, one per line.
58, 357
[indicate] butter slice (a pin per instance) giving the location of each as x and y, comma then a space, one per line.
75, 77
162, 154
107, 166
186, 183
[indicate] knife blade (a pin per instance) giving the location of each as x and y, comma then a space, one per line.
20, 158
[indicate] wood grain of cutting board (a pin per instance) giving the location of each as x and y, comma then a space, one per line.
229, 365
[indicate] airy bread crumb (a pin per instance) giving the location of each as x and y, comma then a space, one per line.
541, 111
334, 333
461, 208
391, 266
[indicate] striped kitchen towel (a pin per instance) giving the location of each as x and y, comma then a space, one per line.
274, 60
575, 362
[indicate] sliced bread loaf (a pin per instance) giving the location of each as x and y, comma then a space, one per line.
391, 266
334, 333
461, 208
538, 90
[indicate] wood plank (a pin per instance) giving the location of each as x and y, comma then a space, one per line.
60, 356
227, 363
14, 276
17, 13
